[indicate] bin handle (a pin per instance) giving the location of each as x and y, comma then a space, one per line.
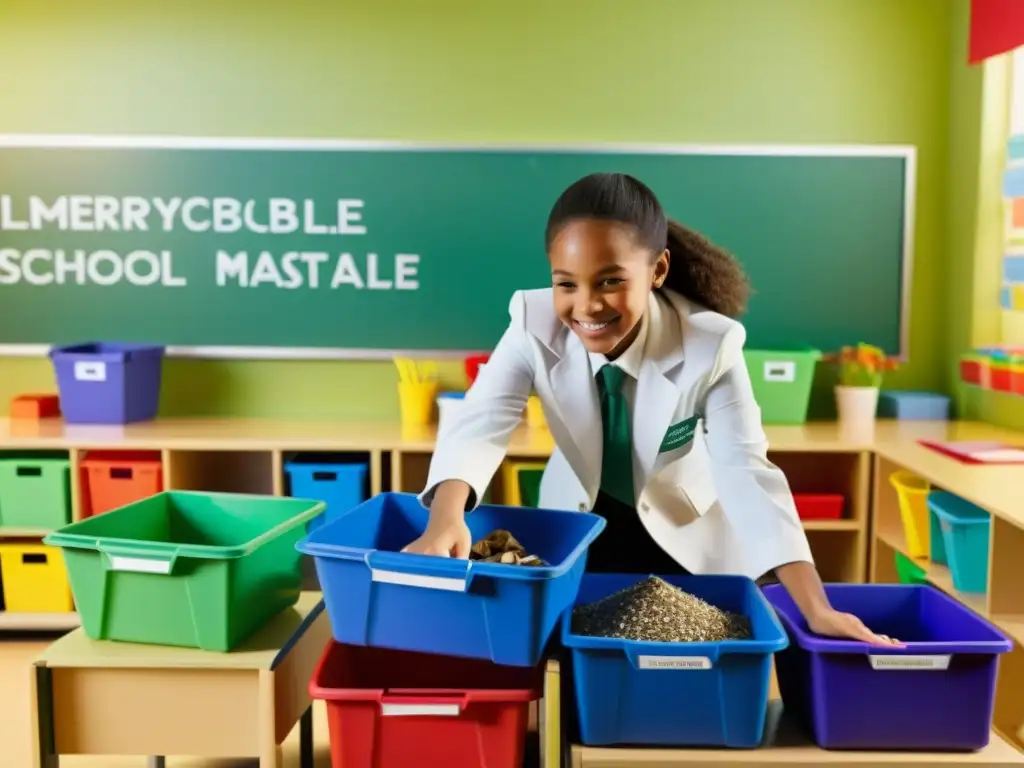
408, 704
135, 559
428, 571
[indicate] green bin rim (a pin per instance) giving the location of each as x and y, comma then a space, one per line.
804, 352
66, 536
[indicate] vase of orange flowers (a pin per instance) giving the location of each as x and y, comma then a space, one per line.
861, 370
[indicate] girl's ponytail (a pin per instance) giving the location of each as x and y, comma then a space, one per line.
704, 273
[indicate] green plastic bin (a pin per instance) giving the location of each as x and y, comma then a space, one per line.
908, 571
35, 492
782, 382
199, 570
529, 486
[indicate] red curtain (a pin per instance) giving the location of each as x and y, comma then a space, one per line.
997, 26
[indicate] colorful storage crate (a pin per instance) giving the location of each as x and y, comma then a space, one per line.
34, 579
378, 595
819, 506
35, 492
512, 479
340, 485
974, 369
200, 570
392, 709
912, 492
108, 383
908, 571
965, 531
117, 478
529, 485
937, 693
675, 694
782, 382
913, 406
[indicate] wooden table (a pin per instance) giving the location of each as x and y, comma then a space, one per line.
108, 698
785, 745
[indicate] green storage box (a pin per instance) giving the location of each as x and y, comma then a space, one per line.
908, 571
35, 492
199, 570
529, 486
782, 382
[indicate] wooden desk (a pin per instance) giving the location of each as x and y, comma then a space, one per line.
107, 698
786, 746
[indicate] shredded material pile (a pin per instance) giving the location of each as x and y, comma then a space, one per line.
655, 611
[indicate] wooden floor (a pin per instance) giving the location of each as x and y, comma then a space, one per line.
15, 744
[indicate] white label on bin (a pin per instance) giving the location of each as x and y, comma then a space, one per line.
418, 580
139, 564
782, 370
90, 371
674, 662
936, 663
406, 710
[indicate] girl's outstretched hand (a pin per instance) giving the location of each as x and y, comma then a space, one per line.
446, 538
832, 623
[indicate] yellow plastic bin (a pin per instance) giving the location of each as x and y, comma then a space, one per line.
34, 579
912, 492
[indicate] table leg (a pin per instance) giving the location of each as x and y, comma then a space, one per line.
306, 738
156, 761
41, 692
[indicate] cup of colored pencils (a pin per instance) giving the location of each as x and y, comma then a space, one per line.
417, 391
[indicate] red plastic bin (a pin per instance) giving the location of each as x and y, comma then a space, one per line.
112, 479
819, 506
396, 709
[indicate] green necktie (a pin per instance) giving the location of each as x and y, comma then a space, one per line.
617, 464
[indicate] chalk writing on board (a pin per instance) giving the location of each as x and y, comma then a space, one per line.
298, 264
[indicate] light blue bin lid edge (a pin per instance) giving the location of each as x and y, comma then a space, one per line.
897, 394
346, 467
955, 509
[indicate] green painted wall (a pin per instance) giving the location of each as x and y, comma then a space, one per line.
535, 70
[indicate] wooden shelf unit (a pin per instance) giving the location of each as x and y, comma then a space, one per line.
249, 456
995, 489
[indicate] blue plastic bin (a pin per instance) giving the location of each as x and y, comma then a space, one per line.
107, 382
341, 485
675, 694
377, 595
937, 544
935, 694
965, 535
913, 406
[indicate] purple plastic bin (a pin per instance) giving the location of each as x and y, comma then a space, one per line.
936, 694
108, 383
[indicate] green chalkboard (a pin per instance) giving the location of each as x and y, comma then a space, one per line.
337, 249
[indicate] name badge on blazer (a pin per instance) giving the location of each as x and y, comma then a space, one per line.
679, 434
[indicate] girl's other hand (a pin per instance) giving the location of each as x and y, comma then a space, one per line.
832, 623
448, 537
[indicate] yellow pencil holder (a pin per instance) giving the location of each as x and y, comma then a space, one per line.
416, 402
535, 414
912, 492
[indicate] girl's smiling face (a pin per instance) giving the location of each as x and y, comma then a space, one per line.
602, 278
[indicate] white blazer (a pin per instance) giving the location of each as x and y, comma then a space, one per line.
706, 492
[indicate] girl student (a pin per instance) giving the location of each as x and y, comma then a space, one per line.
637, 361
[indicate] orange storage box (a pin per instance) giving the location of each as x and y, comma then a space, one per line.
112, 479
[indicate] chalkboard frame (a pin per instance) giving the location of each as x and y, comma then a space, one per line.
904, 152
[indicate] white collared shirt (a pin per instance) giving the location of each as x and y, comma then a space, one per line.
629, 361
